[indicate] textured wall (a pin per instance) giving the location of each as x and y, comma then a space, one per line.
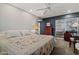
14, 19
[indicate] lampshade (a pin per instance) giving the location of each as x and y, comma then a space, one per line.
35, 26
76, 24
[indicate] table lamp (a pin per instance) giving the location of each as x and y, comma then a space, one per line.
36, 27
75, 25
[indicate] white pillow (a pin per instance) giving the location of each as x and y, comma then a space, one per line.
24, 32
12, 33
32, 31
2, 35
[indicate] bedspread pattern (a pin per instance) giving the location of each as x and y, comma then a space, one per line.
32, 44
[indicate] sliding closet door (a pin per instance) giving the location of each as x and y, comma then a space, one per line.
60, 27
72, 24
68, 24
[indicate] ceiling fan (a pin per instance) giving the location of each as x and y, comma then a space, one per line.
48, 8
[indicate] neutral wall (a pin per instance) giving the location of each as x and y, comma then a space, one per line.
14, 19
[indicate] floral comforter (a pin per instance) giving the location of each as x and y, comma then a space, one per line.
28, 45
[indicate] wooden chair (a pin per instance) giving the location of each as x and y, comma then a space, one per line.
67, 36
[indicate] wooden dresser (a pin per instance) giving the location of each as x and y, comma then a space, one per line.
48, 30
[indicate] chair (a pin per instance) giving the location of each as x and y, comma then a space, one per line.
77, 48
67, 36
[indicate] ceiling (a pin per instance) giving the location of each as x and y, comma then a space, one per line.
56, 8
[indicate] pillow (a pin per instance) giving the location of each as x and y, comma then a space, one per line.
24, 32
2, 35
32, 31
12, 33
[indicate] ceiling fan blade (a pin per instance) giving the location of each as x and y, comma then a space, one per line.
45, 12
49, 6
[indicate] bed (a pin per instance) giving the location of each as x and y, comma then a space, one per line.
28, 45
